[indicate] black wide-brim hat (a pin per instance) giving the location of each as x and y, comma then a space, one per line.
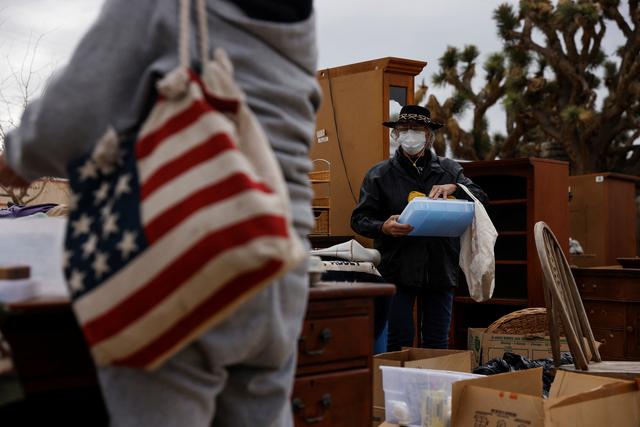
414, 114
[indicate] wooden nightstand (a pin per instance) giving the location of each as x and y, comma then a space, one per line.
333, 383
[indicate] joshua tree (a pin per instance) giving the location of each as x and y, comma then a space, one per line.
549, 77
458, 69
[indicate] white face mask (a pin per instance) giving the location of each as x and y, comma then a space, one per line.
412, 141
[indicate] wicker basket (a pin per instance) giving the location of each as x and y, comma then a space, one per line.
321, 171
322, 222
321, 202
320, 176
521, 322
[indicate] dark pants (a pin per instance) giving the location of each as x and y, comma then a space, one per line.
436, 317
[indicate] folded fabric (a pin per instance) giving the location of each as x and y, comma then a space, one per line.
18, 211
352, 266
350, 251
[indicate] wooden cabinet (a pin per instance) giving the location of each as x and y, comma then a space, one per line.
602, 209
611, 299
521, 192
350, 135
333, 384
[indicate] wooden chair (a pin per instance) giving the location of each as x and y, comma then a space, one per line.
565, 308
563, 302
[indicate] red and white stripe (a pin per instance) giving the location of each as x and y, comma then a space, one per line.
195, 190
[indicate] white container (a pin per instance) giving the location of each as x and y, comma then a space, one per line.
419, 397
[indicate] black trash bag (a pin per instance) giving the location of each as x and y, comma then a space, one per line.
515, 362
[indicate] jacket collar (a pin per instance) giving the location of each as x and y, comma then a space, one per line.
400, 161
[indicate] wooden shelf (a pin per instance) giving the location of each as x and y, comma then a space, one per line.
320, 181
521, 192
321, 208
511, 262
498, 301
508, 202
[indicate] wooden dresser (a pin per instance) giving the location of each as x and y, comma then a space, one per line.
611, 299
333, 383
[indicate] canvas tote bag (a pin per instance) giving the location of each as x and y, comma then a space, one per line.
171, 230
477, 258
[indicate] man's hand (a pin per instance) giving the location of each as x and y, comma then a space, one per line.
442, 191
8, 178
395, 229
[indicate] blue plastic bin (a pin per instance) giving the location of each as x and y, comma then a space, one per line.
439, 218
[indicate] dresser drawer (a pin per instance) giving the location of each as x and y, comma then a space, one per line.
608, 288
332, 339
605, 314
340, 399
613, 343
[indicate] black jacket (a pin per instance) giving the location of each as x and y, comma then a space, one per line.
410, 261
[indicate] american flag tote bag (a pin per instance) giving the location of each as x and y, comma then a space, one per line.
171, 230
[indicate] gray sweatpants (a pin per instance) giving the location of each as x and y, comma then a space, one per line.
238, 374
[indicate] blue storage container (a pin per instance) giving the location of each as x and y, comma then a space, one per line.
437, 217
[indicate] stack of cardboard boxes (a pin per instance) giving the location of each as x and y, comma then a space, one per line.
515, 399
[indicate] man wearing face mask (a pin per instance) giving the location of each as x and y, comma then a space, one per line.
418, 266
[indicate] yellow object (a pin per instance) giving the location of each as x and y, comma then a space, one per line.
415, 194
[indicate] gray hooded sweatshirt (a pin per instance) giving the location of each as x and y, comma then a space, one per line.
109, 81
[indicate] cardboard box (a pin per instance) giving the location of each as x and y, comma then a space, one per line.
575, 400
489, 346
447, 360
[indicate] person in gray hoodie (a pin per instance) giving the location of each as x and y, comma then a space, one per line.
239, 372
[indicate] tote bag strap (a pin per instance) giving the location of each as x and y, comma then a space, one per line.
472, 226
466, 190
185, 30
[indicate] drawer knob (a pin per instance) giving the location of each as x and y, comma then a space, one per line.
324, 337
630, 329
298, 407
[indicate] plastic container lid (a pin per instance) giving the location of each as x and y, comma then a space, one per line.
437, 217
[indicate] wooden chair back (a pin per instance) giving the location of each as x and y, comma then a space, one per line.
564, 305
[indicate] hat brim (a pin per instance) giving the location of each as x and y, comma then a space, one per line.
431, 125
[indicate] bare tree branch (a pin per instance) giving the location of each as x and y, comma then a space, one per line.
559, 62
615, 14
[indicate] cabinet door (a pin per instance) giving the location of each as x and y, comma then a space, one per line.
613, 343
633, 332
605, 314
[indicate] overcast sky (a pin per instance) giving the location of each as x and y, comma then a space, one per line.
348, 31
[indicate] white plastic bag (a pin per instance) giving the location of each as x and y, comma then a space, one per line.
477, 259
